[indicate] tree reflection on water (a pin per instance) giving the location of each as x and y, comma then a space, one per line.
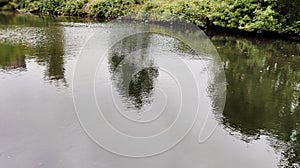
263, 93
133, 70
263, 76
48, 52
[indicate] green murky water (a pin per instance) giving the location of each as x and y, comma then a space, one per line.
263, 91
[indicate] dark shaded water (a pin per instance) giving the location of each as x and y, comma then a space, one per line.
260, 125
263, 93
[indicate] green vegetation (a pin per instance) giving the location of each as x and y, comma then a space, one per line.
54, 7
111, 9
248, 15
280, 16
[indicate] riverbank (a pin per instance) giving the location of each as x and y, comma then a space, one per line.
255, 17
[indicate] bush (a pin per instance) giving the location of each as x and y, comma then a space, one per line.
245, 15
73, 7
50, 6
111, 9
248, 15
56, 7
281, 16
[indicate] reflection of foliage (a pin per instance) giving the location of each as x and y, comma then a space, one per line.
29, 20
9, 19
133, 74
183, 48
263, 95
292, 154
53, 54
48, 52
142, 84
116, 60
12, 57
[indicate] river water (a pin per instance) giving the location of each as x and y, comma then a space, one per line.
46, 119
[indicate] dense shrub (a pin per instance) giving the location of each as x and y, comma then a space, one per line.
248, 15
73, 7
9, 4
56, 7
49, 6
281, 16
113, 8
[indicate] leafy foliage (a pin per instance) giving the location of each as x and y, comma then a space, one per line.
73, 7
281, 16
248, 15
55, 7
113, 8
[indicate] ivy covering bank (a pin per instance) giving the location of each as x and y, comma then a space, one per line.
279, 16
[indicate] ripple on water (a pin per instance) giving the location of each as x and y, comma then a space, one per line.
30, 36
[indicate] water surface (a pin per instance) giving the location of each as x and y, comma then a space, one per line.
39, 126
